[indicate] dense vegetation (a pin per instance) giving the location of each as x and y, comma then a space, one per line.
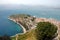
46, 31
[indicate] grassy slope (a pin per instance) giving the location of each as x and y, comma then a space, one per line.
27, 36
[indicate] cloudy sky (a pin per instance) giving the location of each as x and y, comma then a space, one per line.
32, 2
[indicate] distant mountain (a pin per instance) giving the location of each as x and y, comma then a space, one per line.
14, 7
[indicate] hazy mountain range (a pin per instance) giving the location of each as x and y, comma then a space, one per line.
9, 7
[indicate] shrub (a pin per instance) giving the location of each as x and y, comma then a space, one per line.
45, 31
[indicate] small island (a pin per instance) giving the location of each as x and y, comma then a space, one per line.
28, 23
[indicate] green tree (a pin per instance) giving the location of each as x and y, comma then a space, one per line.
46, 31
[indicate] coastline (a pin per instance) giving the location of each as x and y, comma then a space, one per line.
55, 22
24, 30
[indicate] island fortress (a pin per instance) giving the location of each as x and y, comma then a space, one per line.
28, 22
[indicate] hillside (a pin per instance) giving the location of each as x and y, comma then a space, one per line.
30, 35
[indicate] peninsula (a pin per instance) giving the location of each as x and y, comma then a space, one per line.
28, 22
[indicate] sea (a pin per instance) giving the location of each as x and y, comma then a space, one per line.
8, 27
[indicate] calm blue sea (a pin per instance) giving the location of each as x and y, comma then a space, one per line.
10, 28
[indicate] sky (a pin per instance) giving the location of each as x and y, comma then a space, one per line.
32, 2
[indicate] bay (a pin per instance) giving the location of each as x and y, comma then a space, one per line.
10, 28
